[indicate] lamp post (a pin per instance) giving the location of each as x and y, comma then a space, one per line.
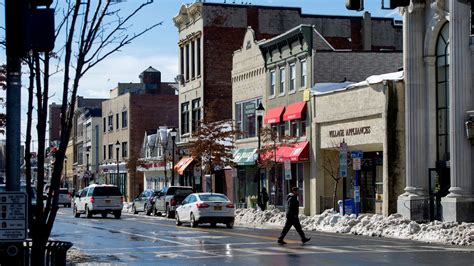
117, 148
65, 169
259, 112
87, 165
173, 134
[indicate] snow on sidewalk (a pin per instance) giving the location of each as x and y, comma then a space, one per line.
394, 226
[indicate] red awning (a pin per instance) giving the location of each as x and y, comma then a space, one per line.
295, 152
183, 164
273, 115
295, 111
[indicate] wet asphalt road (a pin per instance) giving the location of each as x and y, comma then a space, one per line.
142, 240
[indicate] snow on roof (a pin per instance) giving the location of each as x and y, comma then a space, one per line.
325, 88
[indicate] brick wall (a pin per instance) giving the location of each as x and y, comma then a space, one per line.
148, 112
219, 45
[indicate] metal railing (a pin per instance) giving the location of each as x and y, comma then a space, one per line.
14, 254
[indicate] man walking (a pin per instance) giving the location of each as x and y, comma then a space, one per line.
292, 219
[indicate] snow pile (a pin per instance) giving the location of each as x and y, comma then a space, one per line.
127, 207
394, 226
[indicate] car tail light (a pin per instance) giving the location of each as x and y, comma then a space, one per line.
173, 202
200, 205
230, 206
92, 200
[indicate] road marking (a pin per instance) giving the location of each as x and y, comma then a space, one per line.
225, 232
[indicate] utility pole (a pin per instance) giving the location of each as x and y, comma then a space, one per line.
15, 25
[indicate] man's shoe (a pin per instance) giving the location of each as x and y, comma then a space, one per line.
281, 242
305, 240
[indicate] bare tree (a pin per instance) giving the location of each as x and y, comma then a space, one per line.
93, 30
214, 142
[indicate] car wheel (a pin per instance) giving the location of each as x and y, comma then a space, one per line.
178, 222
69, 205
230, 225
134, 210
104, 215
193, 220
117, 214
88, 213
74, 210
213, 224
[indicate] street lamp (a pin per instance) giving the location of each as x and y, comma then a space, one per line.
87, 164
260, 111
65, 169
173, 134
117, 147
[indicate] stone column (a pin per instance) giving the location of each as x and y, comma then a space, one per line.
458, 205
413, 204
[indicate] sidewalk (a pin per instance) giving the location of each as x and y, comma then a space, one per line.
394, 226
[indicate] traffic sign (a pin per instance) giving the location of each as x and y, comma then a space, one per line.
357, 154
356, 163
13, 216
343, 160
287, 170
356, 194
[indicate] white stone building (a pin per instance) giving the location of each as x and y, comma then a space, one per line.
438, 64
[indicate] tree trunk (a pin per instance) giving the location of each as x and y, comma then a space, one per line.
334, 196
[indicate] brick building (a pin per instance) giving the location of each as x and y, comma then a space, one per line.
131, 109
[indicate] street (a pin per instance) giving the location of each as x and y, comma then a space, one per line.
143, 240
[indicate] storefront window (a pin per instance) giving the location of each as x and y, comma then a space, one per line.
280, 188
246, 119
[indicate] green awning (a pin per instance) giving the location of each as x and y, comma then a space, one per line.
245, 156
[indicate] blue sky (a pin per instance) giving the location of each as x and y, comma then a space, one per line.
158, 48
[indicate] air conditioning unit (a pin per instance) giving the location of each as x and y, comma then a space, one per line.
180, 78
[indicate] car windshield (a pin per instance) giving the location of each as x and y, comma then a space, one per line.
106, 191
213, 197
177, 191
63, 191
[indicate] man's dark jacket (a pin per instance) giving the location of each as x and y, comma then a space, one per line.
293, 206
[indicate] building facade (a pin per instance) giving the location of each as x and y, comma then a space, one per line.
294, 61
133, 108
368, 117
438, 62
209, 33
248, 88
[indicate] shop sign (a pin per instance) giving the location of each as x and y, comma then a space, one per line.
287, 170
355, 131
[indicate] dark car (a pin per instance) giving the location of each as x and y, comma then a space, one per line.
169, 198
144, 202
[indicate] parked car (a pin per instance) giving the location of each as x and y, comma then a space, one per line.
210, 208
103, 199
169, 198
64, 197
144, 202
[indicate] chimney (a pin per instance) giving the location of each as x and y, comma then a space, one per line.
367, 32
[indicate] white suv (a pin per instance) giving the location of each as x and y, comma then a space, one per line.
101, 199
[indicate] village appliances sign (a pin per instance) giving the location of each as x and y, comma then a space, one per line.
350, 132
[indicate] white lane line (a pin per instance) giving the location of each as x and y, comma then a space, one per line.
174, 246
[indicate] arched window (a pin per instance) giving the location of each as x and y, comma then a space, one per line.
442, 94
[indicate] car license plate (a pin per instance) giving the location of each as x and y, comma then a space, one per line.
107, 201
218, 208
